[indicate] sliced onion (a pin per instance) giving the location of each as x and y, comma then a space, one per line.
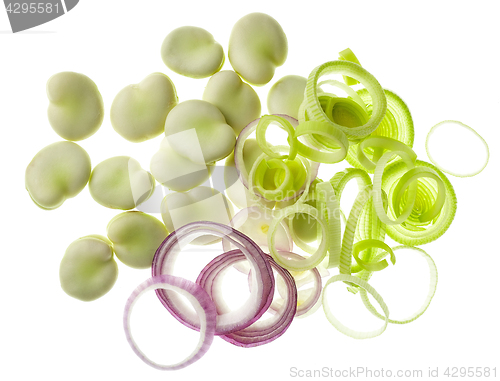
307, 298
260, 332
260, 297
199, 299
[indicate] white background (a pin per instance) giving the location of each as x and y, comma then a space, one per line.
442, 58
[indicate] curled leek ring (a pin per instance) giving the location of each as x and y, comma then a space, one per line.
348, 239
474, 136
433, 279
276, 180
397, 124
343, 111
336, 140
369, 227
330, 208
279, 168
375, 265
315, 111
317, 256
348, 55
405, 182
369, 289
340, 179
348, 90
414, 232
377, 189
380, 143
284, 124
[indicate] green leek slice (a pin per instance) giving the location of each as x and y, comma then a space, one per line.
348, 55
317, 255
315, 111
397, 124
348, 90
350, 228
402, 216
379, 144
375, 265
330, 208
369, 289
279, 179
433, 278
284, 124
369, 227
340, 179
414, 232
336, 140
463, 151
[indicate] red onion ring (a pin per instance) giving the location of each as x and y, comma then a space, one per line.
260, 332
313, 277
260, 297
199, 299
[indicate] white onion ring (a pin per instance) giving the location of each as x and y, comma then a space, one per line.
200, 301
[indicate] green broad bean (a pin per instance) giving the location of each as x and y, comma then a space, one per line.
57, 172
138, 111
214, 136
88, 269
237, 101
120, 183
257, 46
177, 172
286, 96
76, 109
135, 237
192, 52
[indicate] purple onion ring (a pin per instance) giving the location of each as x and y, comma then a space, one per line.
260, 297
260, 332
